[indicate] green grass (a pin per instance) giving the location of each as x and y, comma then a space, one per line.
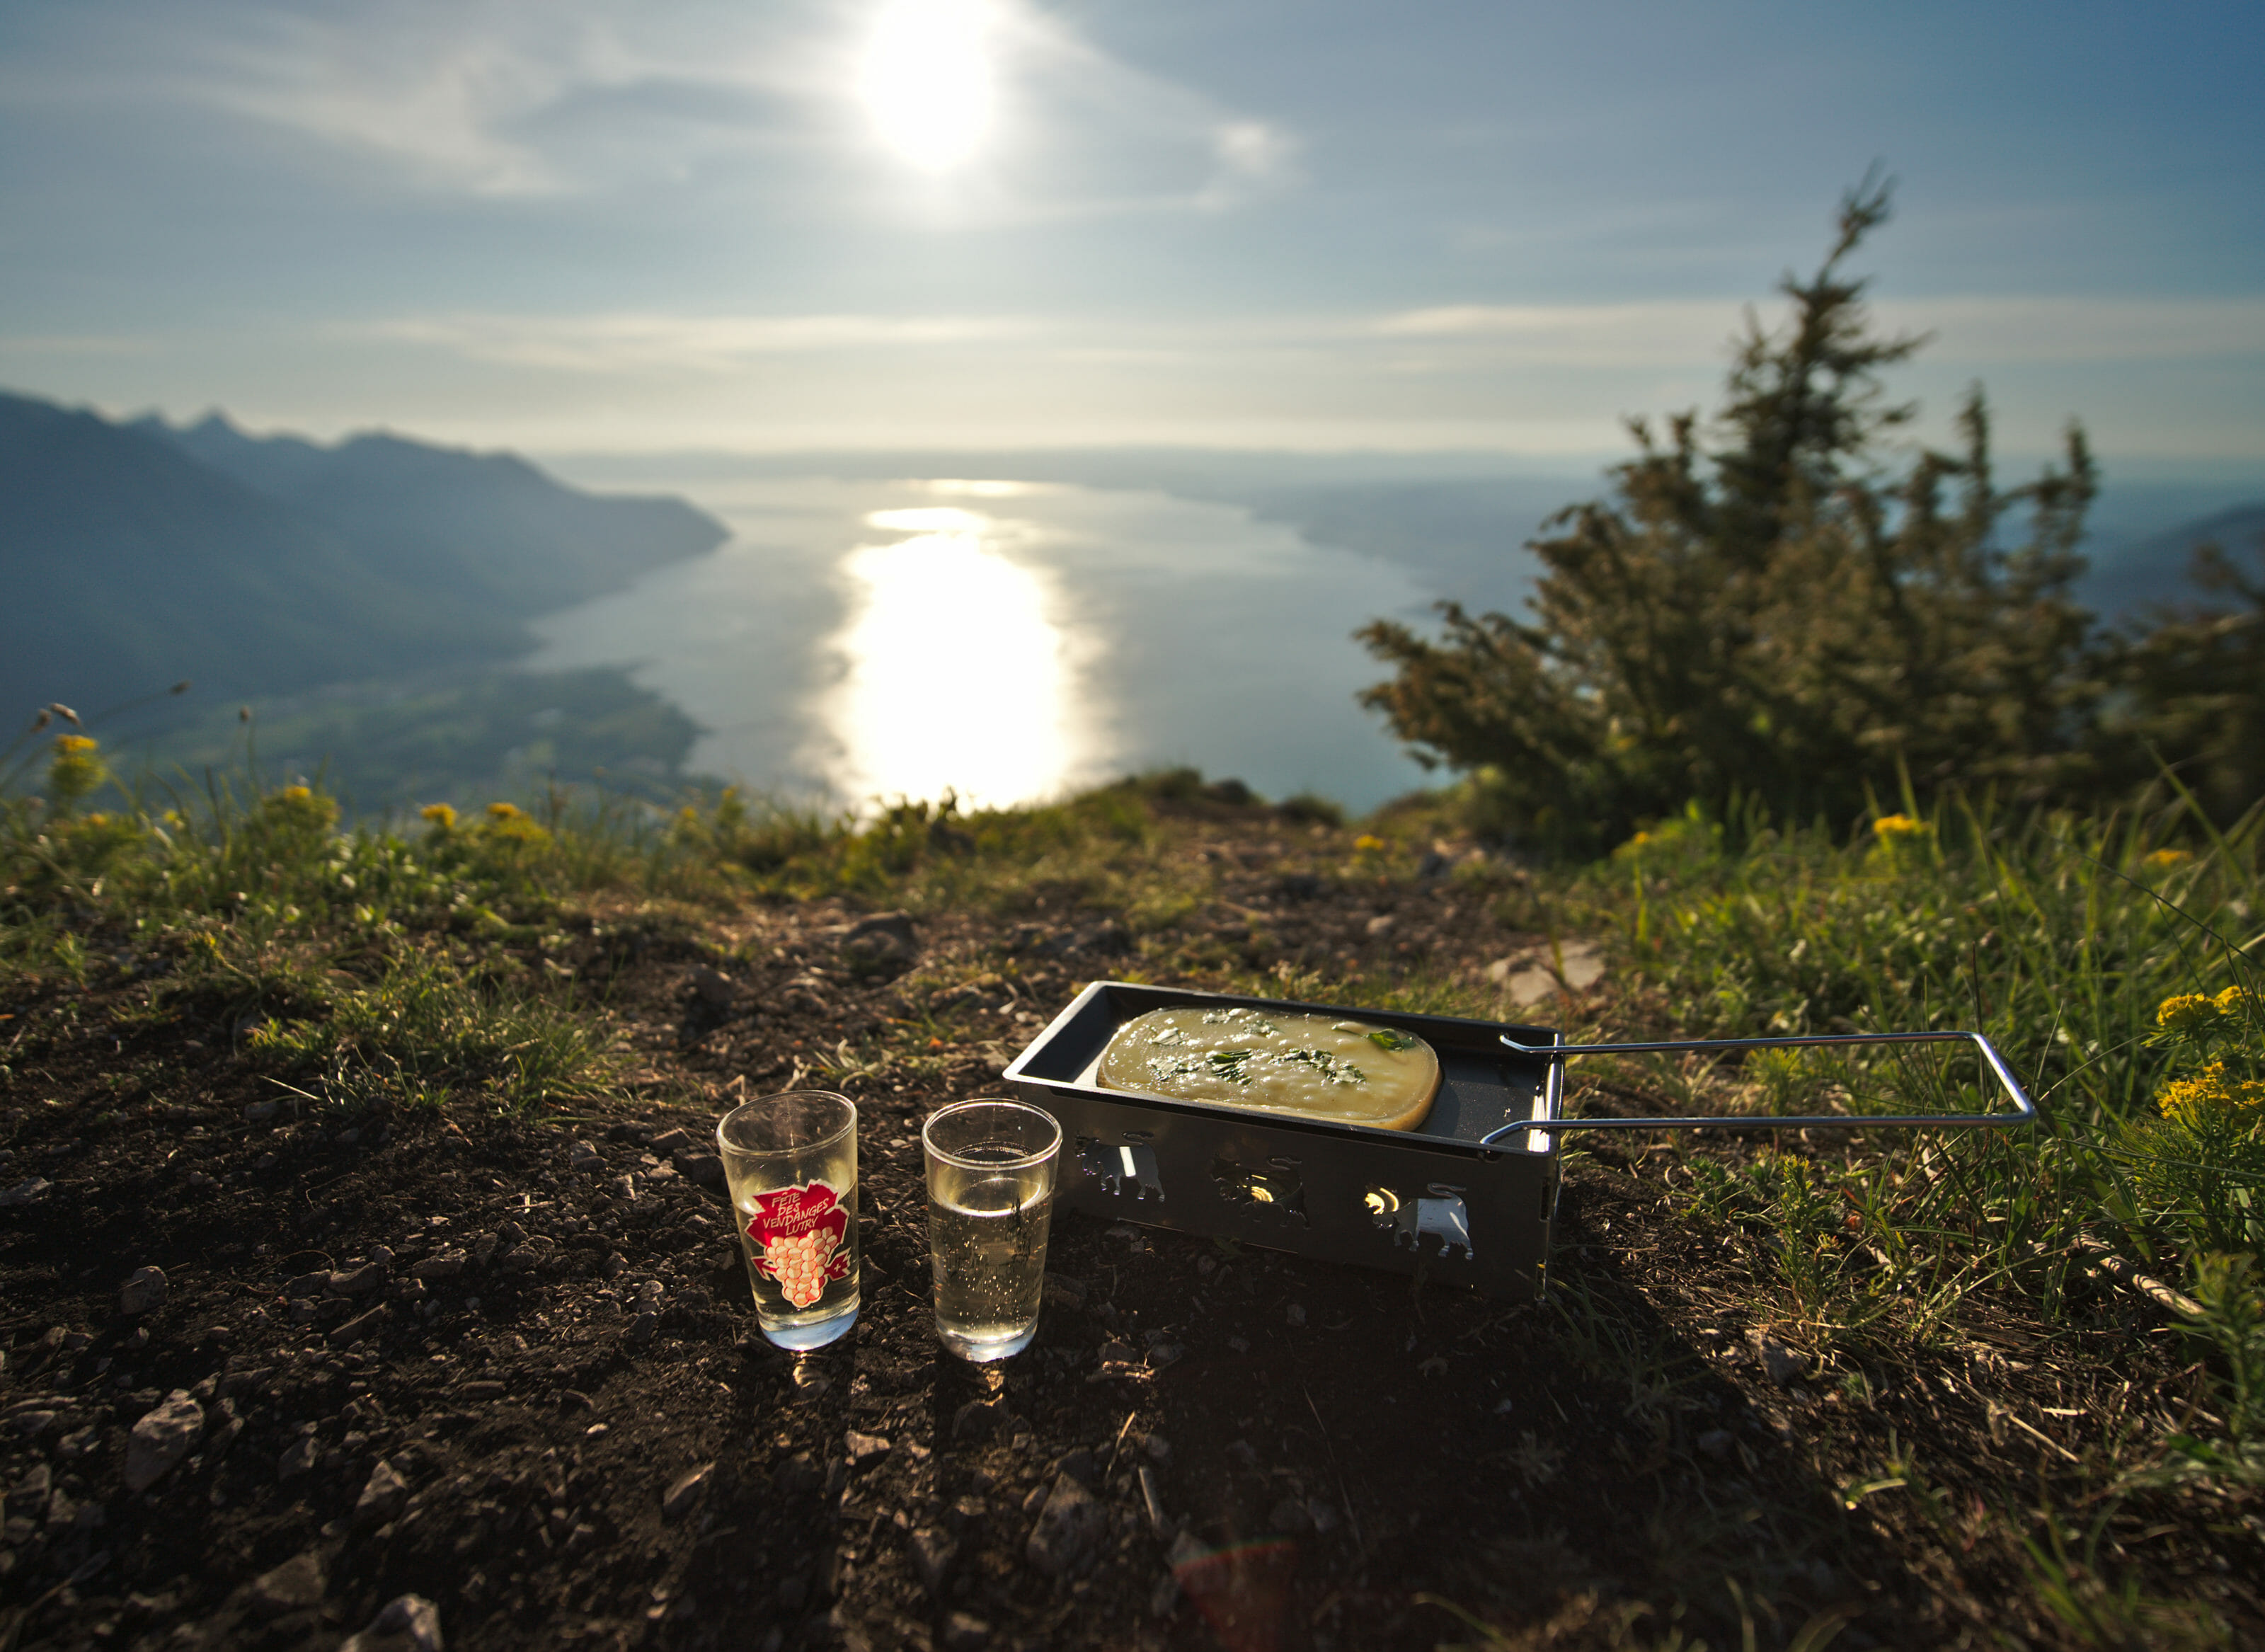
2113, 960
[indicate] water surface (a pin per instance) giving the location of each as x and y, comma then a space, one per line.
1008, 641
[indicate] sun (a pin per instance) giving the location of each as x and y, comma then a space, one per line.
926, 79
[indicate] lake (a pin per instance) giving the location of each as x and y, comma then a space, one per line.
1008, 641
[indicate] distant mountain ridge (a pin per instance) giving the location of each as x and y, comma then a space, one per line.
137, 554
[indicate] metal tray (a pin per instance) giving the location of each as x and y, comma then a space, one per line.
1469, 1198
1437, 1197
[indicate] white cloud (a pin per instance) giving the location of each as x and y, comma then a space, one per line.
702, 344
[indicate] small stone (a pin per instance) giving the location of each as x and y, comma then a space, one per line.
306, 1285
1159, 1448
483, 1390
407, 1623
1379, 925
294, 1586
1783, 1364
260, 1112
1294, 1314
582, 1156
796, 1476
686, 1490
713, 987
964, 1631
1186, 1550
1164, 1353
643, 1328
864, 1448
1290, 1517
298, 1457
703, 1169
932, 1550
36, 1422
1079, 1463
381, 1496
1716, 1443
24, 1191
144, 1289
977, 1421
1068, 1526
358, 1282
670, 1141
162, 1439
1322, 1513
442, 1265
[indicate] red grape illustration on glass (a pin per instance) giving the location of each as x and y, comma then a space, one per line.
798, 1231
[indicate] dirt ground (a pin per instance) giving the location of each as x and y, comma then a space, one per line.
510, 1366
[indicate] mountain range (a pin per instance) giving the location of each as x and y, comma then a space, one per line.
137, 554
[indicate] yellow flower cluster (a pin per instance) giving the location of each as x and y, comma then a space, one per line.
1893, 828
2166, 859
1367, 845
2190, 1013
75, 745
296, 794
2210, 1090
441, 815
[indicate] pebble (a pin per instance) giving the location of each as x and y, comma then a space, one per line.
442, 1265
864, 1448
298, 1457
1294, 1314
1323, 1514
162, 1439
293, 1586
483, 1389
36, 1422
704, 1170
686, 1490
932, 1550
1783, 1364
358, 1281
381, 1496
964, 1631
1068, 1526
260, 1112
407, 1623
1716, 1443
670, 1141
582, 1156
978, 1420
24, 1191
1079, 1463
144, 1289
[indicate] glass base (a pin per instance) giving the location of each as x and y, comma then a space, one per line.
802, 1335
983, 1351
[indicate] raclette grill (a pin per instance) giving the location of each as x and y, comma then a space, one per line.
1469, 1197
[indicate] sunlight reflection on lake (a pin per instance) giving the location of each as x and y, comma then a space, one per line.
857, 640
957, 677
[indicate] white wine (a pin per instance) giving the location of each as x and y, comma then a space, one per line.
988, 1257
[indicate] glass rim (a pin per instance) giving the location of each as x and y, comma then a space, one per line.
1022, 1161
726, 1147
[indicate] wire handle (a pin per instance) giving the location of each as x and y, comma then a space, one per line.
2025, 1110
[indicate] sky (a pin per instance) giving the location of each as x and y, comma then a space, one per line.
595, 225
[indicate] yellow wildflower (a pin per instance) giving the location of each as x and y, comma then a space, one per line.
441, 815
2165, 860
75, 745
1892, 828
2187, 1100
296, 794
505, 812
2186, 1012
1366, 844
2232, 1001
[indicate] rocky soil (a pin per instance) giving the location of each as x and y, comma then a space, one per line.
277, 1379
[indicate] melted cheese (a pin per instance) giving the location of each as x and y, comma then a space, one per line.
1319, 1067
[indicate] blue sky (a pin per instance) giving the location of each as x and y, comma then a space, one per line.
595, 226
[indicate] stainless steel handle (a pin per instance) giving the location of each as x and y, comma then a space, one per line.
2025, 1110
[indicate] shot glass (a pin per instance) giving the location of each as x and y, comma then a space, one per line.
990, 1197
791, 1162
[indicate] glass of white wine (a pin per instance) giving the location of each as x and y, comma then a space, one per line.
990, 1197
791, 1161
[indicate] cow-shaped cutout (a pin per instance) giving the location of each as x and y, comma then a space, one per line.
1440, 1214
1130, 1169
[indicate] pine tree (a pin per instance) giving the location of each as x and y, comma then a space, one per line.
1770, 610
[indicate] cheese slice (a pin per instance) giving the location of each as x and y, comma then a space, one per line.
1270, 1061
